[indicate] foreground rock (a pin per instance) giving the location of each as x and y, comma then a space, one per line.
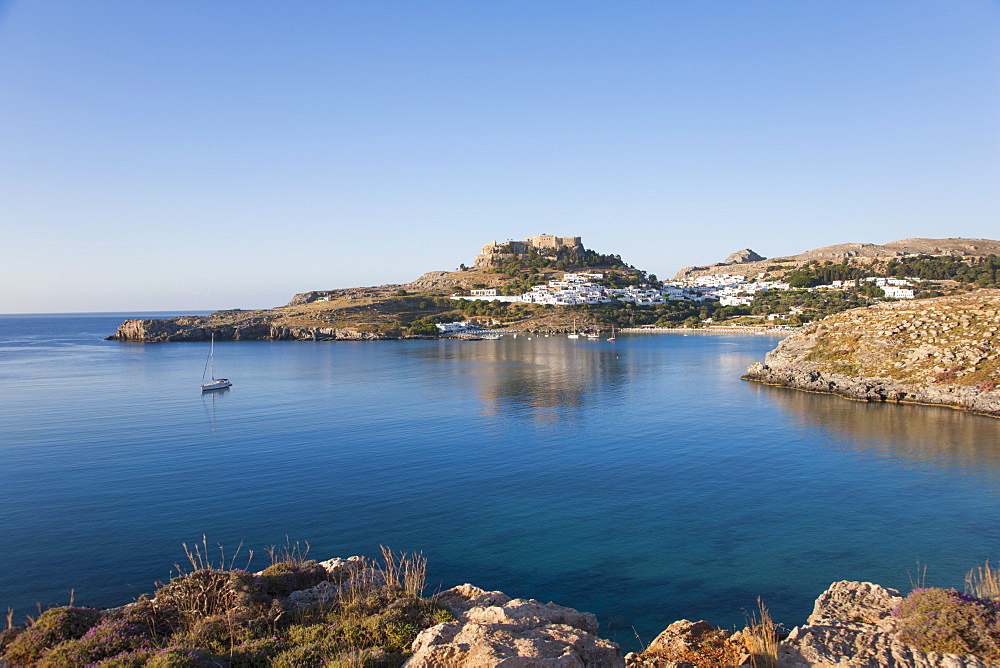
686, 643
943, 351
494, 630
852, 625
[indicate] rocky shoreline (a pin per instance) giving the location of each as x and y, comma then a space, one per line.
852, 624
939, 351
149, 330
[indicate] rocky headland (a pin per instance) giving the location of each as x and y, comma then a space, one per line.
943, 351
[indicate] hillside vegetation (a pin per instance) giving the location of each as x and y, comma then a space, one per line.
949, 340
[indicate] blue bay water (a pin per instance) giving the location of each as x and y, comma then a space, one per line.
641, 480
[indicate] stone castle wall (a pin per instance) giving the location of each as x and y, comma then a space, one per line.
496, 252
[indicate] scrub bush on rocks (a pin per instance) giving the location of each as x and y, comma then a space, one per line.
216, 617
52, 627
182, 657
949, 622
209, 593
284, 577
258, 652
104, 641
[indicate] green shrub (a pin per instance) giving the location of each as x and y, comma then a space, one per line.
104, 641
949, 622
284, 577
183, 657
51, 628
258, 652
311, 645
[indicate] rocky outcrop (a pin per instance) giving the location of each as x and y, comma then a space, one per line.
943, 351
686, 643
189, 329
494, 630
743, 256
372, 292
436, 279
852, 624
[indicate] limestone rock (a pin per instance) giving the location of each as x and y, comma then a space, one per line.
340, 569
852, 625
686, 643
459, 600
435, 279
344, 574
742, 256
493, 630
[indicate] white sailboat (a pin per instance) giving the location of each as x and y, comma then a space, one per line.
612, 337
574, 335
217, 383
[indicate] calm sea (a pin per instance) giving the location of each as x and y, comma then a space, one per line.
640, 480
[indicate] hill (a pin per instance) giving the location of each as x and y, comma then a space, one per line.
411, 309
511, 268
859, 254
944, 350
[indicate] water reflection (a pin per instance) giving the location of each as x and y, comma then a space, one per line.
209, 399
927, 434
548, 378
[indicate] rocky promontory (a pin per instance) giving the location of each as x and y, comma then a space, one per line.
943, 351
190, 328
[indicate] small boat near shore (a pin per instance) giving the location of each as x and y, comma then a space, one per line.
216, 383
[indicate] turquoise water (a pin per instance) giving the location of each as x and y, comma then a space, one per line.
640, 480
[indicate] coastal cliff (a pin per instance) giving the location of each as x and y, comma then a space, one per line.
941, 351
158, 331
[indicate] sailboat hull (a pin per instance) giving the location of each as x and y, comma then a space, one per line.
219, 384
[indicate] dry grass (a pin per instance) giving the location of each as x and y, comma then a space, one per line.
200, 559
405, 571
918, 580
984, 582
761, 638
289, 553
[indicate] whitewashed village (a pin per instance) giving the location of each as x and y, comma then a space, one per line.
590, 288
729, 289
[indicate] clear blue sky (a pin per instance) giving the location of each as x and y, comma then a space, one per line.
172, 154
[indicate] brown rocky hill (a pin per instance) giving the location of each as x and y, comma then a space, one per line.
944, 350
388, 311
749, 263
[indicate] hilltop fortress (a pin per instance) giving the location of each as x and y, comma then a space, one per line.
495, 253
